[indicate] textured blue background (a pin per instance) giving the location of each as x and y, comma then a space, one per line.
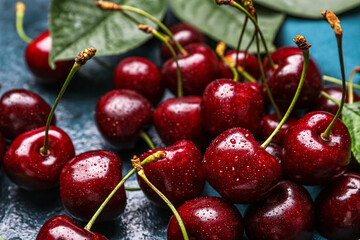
23, 213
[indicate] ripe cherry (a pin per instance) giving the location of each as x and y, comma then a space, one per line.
2, 147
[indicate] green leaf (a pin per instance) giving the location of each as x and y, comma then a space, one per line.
351, 118
223, 23
79, 24
309, 8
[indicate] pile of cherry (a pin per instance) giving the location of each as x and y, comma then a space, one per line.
217, 116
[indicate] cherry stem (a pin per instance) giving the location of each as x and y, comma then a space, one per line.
351, 79
220, 49
132, 188
147, 139
338, 81
246, 75
324, 94
304, 46
140, 171
240, 38
20, 12
152, 158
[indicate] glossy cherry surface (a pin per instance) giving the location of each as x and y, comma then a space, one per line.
37, 60
87, 180
140, 75
227, 104
338, 208
275, 150
310, 160
64, 228
287, 214
198, 69
207, 218
120, 115
238, 168
178, 176
27, 168
20, 111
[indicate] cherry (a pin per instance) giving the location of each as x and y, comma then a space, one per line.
228, 104
178, 176
140, 75
286, 213
338, 208
2, 147
120, 115
198, 68
207, 218
29, 168
20, 111
238, 168
62, 227
185, 34
275, 150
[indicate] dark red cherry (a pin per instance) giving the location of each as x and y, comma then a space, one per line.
324, 104
178, 176
251, 64
140, 75
120, 115
179, 118
22, 110
185, 34
275, 150
338, 209
29, 169
207, 218
287, 214
87, 180
198, 69
227, 104
284, 80
310, 160
238, 168
64, 228
2, 147
37, 60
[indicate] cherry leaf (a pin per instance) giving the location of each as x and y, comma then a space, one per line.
351, 118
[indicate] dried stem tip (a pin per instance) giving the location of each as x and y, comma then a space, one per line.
106, 5
85, 55
357, 69
145, 28
20, 8
223, 2
220, 48
136, 163
157, 156
301, 42
249, 6
333, 20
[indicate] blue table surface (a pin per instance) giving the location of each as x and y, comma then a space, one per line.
23, 213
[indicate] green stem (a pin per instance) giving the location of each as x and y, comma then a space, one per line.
240, 39
338, 81
132, 188
20, 12
351, 79
232, 68
324, 94
147, 139
247, 75
247, 48
293, 102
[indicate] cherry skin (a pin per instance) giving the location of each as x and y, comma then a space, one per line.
22, 110
338, 208
198, 69
287, 213
2, 147
185, 34
324, 104
62, 227
308, 159
140, 75
207, 218
251, 64
227, 104
120, 115
178, 176
238, 168
179, 118
37, 60
275, 150
29, 169
87, 180
284, 80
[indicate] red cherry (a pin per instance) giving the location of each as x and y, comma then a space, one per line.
227, 104
185, 34
140, 75
26, 167
310, 160
22, 110
275, 150
338, 208
64, 228
287, 213
87, 180
198, 69
238, 168
120, 115
207, 218
37, 59
178, 176
2, 147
